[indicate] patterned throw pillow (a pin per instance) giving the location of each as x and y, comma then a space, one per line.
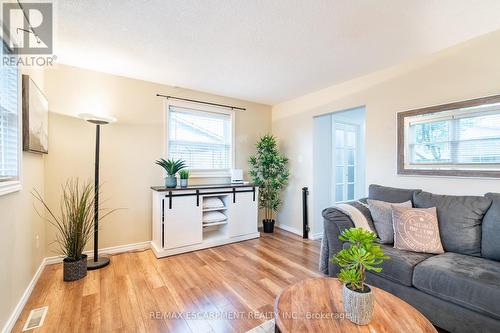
417, 230
381, 212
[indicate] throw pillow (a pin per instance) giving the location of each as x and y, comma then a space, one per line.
417, 230
212, 202
381, 212
212, 217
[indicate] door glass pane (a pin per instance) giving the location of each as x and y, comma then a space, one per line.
350, 156
350, 191
351, 139
350, 174
339, 175
339, 156
339, 138
339, 192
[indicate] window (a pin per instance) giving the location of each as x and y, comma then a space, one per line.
346, 142
9, 126
201, 137
462, 140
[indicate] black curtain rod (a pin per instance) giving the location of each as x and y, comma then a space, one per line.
202, 102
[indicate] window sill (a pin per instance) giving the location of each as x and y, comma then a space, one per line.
10, 187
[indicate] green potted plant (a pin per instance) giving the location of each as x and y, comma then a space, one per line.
269, 171
184, 176
171, 168
74, 225
362, 255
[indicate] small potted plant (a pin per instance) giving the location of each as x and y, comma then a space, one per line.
172, 167
362, 255
74, 225
269, 171
184, 176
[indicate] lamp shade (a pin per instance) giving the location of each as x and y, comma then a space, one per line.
97, 118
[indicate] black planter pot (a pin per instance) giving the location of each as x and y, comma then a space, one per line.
74, 269
268, 226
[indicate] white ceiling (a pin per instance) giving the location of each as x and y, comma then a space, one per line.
261, 50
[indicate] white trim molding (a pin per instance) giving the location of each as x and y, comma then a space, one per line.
58, 259
298, 232
201, 173
9, 325
105, 251
316, 236
288, 228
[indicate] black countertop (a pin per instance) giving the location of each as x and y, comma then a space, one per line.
201, 187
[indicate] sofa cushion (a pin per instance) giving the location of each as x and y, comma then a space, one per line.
399, 268
490, 239
417, 230
468, 281
459, 219
390, 194
381, 212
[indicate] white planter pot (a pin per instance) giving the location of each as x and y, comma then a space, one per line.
358, 306
184, 182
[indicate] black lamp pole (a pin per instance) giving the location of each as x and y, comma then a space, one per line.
96, 262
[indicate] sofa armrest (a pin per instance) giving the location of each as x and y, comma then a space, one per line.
335, 222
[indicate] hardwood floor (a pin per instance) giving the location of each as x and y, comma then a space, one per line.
230, 288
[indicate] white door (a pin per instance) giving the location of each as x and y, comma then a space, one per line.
345, 161
182, 224
243, 214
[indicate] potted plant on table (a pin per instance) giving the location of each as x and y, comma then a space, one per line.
74, 225
362, 255
184, 176
269, 171
172, 167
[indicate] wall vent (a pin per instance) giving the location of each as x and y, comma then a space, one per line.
36, 318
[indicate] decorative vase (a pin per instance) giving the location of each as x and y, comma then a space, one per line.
358, 306
170, 182
74, 269
184, 183
268, 226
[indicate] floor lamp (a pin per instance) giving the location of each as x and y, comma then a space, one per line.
97, 262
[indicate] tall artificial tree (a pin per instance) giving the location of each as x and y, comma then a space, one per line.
269, 170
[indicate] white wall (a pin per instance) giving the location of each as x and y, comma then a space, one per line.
22, 231
463, 72
322, 168
129, 147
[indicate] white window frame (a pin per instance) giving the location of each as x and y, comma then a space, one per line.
201, 173
16, 185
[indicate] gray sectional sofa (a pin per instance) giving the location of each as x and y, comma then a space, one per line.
458, 290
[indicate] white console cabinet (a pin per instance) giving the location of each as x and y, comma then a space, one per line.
177, 217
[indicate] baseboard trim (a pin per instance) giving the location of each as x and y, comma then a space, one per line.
106, 251
9, 325
316, 236
298, 232
288, 228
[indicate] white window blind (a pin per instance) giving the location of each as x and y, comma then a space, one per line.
9, 118
466, 137
202, 139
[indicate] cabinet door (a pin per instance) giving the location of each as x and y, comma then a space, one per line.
182, 223
243, 214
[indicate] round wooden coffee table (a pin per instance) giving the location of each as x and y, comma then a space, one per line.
315, 305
